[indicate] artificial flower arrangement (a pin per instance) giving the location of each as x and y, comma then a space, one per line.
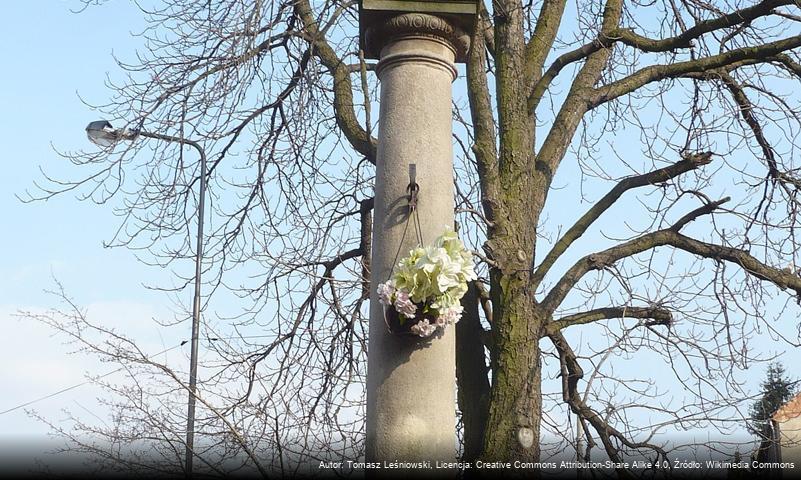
424, 292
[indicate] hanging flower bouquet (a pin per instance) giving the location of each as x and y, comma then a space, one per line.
423, 293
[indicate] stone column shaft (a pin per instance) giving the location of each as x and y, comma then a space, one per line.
410, 381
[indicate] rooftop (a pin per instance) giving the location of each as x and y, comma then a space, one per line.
789, 410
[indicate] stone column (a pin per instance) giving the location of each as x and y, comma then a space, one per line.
410, 381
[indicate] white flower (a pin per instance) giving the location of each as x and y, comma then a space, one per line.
466, 262
450, 242
450, 298
435, 277
449, 274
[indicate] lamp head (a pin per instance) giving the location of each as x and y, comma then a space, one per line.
101, 133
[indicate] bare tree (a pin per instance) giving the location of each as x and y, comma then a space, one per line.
689, 236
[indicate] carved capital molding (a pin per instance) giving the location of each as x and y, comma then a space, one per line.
417, 25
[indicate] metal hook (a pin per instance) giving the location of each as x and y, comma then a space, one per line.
413, 187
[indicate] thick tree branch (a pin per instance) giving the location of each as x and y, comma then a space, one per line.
659, 315
483, 122
746, 261
571, 374
488, 32
600, 260
654, 73
541, 41
516, 132
564, 60
343, 88
690, 162
575, 105
788, 64
629, 37
685, 39
704, 210
671, 237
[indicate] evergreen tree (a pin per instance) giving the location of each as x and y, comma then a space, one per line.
777, 389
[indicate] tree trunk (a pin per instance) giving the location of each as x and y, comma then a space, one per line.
513, 426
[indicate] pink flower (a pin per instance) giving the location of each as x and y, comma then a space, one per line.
423, 328
450, 315
385, 292
404, 304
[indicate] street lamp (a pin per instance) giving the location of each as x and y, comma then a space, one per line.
101, 133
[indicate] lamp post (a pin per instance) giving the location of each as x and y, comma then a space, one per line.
103, 134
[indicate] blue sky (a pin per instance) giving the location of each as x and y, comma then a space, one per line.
50, 56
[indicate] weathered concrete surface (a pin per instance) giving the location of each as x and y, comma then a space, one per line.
411, 382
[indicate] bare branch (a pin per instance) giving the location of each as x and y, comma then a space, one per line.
660, 316
572, 373
631, 38
662, 175
741, 56
671, 237
343, 88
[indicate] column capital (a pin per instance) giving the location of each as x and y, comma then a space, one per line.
416, 25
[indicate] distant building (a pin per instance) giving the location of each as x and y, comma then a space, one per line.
786, 424
781, 444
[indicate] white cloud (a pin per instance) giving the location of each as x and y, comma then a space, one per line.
36, 361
